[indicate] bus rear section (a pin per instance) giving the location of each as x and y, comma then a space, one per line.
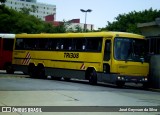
6, 50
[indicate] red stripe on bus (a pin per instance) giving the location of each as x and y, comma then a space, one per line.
27, 59
83, 66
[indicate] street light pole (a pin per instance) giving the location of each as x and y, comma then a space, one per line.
85, 11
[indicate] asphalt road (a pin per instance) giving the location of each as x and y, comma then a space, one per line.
20, 90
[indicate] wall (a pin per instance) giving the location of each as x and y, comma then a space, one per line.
41, 11
154, 79
152, 31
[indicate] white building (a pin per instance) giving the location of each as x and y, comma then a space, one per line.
80, 25
41, 11
73, 24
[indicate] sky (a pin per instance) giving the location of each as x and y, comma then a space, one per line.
102, 10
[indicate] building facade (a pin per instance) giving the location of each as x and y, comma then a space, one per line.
45, 12
152, 32
73, 24
40, 10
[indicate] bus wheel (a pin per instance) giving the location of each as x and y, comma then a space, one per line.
92, 77
67, 79
9, 69
145, 85
120, 83
31, 71
55, 78
41, 72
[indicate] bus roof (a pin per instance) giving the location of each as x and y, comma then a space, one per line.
7, 36
76, 35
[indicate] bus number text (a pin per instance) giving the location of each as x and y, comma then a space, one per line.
71, 55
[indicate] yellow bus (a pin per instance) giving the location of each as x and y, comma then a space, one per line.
114, 57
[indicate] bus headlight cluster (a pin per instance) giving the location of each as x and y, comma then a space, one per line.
120, 78
144, 79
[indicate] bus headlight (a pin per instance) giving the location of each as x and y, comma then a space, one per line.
119, 77
146, 79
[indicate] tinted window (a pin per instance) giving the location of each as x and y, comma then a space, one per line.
130, 49
79, 44
8, 44
65, 44
25, 44
94, 44
107, 50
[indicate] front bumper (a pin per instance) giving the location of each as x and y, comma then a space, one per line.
135, 79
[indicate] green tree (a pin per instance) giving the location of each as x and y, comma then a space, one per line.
128, 22
33, 8
60, 29
2, 1
78, 29
25, 10
17, 22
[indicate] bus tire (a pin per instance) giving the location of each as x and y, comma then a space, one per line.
55, 78
67, 79
145, 85
92, 77
120, 84
40, 71
9, 69
25, 73
31, 70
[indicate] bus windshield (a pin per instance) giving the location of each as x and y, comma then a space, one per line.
128, 49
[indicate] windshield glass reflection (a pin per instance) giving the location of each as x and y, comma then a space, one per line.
128, 49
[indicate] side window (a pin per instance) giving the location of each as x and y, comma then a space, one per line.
0, 41
8, 44
29, 44
54, 44
26, 44
107, 50
94, 44
67, 44
59, 44
19, 44
79, 44
62, 44
42, 44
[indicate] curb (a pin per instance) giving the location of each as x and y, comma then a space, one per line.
156, 90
